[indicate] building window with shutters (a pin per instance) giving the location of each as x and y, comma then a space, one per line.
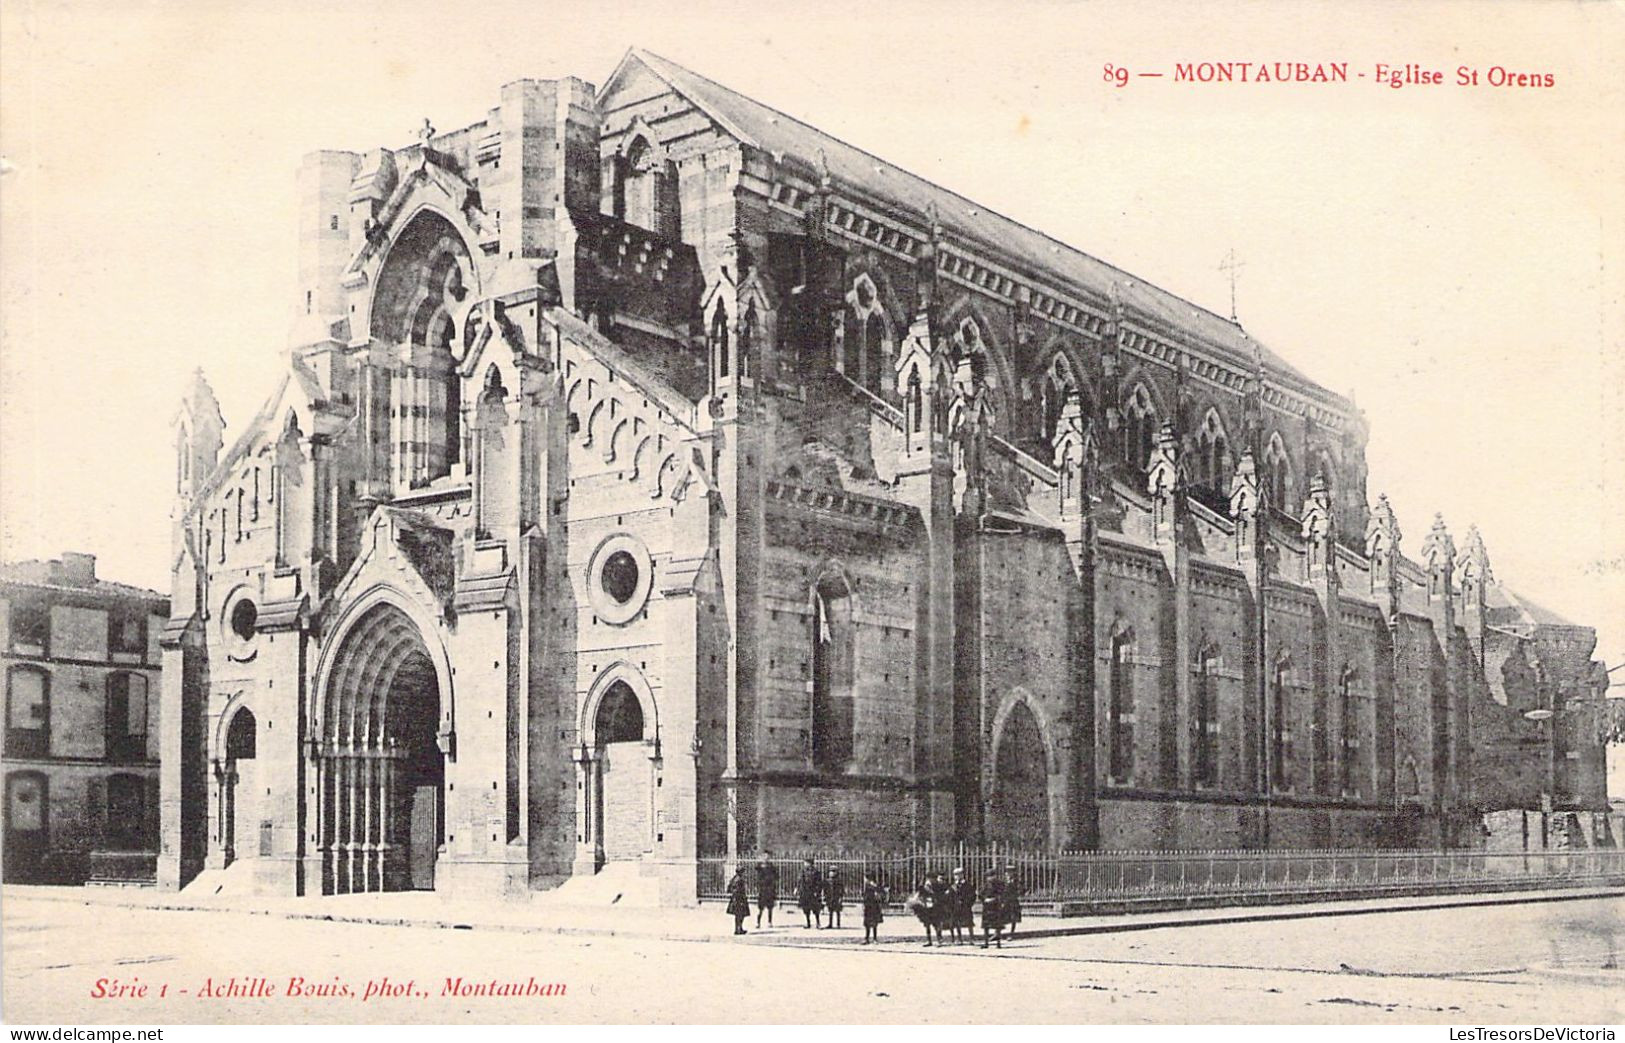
127, 632
28, 712
30, 628
126, 721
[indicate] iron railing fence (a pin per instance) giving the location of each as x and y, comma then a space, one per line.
1210, 876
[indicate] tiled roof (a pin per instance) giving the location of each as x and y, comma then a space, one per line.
46, 575
773, 131
1505, 606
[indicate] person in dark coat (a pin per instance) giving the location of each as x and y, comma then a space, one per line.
922, 903
874, 902
810, 894
834, 896
1012, 899
941, 905
767, 888
961, 907
738, 900
993, 908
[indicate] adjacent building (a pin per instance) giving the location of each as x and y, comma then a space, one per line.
655, 476
81, 661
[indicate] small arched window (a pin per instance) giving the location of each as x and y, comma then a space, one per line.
866, 336
832, 639
749, 331
1139, 427
1120, 708
916, 401
719, 342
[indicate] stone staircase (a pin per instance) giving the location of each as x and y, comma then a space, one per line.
617, 884
235, 879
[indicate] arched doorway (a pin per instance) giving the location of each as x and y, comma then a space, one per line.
239, 807
381, 770
1019, 810
27, 826
625, 774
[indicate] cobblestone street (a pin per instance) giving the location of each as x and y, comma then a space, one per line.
1547, 962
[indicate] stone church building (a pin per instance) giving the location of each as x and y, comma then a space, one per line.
655, 476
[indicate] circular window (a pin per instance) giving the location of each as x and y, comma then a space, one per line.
619, 578
240, 625
244, 617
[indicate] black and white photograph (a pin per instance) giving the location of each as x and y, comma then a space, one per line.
812, 514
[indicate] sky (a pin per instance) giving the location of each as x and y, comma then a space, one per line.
1450, 257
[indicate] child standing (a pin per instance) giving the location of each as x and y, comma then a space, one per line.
874, 901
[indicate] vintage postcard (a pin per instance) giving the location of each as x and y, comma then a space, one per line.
841, 513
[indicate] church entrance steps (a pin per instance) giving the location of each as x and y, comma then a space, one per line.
235, 880
624, 885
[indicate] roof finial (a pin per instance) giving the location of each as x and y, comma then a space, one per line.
1233, 266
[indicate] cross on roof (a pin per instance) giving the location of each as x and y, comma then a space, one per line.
1232, 266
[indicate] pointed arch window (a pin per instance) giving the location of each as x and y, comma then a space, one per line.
916, 401
1278, 475
1349, 734
719, 342
1120, 708
1213, 454
1140, 427
1280, 726
1059, 386
832, 674
1327, 469
866, 341
1205, 719
749, 331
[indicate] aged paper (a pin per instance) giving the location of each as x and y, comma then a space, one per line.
1401, 226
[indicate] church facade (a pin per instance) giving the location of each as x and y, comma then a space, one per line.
655, 476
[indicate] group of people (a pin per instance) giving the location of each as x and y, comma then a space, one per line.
817, 893
940, 905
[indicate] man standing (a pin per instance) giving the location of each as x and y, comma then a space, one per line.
810, 894
767, 888
834, 895
1012, 899
993, 908
961, 903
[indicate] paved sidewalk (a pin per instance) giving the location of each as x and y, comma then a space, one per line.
710, 923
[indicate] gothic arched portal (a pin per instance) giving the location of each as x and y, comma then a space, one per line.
381, 813
625, 786
1018, 814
